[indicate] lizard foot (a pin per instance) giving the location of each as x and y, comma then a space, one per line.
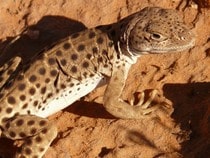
144, 105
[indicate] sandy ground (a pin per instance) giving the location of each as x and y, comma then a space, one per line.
86, 130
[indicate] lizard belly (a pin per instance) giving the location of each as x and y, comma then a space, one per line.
69, 95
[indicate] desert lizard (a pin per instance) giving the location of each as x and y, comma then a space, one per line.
78, 64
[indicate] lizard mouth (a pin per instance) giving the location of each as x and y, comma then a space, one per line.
156, 50
174, 48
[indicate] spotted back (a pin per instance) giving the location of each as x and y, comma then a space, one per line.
76, 63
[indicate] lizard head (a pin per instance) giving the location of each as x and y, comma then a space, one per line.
156, 30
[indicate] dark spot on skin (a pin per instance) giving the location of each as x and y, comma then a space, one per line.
21, 134
58, 53
16, 114
75, 35
38, 85
78, 89
31, 122
12, 134
92, 34
63, 62
49, 95
42, 122
43, 90
44, 131
32, 78
53, 73
7, 125
35, 103
74, 57
95, 50
51, 61
32, 91
19, 122
91, 75
100, 59
73, 69
42, 71
33, 131
63, 86
41, 149
8, 110
25, 106
66, 46
47, 80
88, 56
100, 40
38, 139
85, 64
11, 100
104, 52
21, 86
28, 141
85, 74
28, 151
81, 47
71, 85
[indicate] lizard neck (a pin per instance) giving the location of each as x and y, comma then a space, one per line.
115, 32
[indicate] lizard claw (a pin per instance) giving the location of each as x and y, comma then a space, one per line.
149, 101
144, 105
141, 101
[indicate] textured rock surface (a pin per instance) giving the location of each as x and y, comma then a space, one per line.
86, 130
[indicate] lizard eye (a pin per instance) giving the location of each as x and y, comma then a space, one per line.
156, 36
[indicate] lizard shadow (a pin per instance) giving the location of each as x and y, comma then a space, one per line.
35, 38
191, 104
89, 109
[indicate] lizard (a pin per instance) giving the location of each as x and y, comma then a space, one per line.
78, 64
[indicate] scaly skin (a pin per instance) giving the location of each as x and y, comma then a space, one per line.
78, 64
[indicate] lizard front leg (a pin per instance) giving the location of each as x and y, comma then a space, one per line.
115, 105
